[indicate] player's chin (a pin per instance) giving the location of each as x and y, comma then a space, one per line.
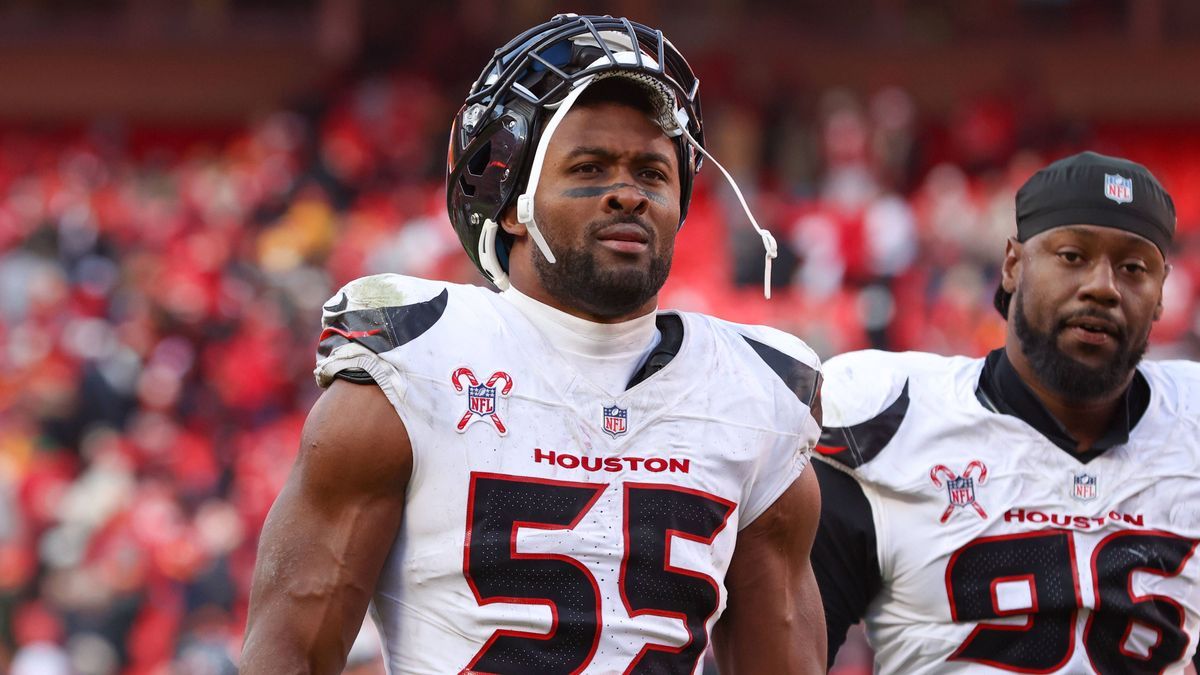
637, 266
623, 259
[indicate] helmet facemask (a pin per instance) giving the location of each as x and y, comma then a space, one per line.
500, 136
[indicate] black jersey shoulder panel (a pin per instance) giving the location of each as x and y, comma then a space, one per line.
382, 329
858, 444
845, 557
802, 379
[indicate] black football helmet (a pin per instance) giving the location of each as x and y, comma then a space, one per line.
496, 137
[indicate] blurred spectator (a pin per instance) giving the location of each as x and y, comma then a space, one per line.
160, 304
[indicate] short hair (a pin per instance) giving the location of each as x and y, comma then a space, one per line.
619, 90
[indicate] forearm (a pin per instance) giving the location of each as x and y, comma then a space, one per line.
284, 649
305, 603
328, 534
780, 632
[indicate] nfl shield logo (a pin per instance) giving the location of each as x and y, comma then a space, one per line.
962, 491
1085, 487
481, 399
615, 421
1118, 188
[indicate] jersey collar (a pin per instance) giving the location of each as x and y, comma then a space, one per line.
1002, 390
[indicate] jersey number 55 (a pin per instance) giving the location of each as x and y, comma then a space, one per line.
497, 572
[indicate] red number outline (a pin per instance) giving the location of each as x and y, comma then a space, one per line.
1087, 628
598, 489
667, 566
1033, 598
982, 626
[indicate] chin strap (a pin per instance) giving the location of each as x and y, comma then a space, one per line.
488, 259
768, 239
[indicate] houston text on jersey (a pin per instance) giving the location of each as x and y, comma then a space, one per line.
1077, 522
612, 464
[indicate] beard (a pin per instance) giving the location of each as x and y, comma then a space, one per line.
1072, 379
579, 280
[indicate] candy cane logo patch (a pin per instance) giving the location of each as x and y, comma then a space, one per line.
960, 489
481, 398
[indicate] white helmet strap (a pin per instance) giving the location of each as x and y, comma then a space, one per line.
768, 239
489, 260
525, 201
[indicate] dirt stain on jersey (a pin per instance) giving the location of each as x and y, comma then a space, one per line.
375, 292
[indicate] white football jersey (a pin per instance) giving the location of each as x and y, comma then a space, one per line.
999, 551
550, 526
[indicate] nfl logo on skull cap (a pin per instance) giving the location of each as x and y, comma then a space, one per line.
615, 420
1084, 488
1118, 188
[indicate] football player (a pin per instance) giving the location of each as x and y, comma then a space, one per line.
556, 478
1037, 510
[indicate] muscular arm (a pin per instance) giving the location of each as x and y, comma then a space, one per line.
774, 622
328, 534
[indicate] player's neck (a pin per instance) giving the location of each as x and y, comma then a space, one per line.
577, 335
1086, 421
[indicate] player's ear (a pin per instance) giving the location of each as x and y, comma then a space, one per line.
509, 222
1011, 267
1158, 309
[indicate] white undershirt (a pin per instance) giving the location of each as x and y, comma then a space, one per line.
607, 354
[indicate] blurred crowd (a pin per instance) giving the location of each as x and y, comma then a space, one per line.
162, 292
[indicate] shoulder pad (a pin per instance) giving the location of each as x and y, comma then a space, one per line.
787, 355
1181, 379
866, 397
1187, 373
381, 312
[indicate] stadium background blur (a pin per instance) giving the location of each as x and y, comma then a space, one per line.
184, 182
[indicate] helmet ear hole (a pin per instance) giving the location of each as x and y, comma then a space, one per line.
467, 188
479, 160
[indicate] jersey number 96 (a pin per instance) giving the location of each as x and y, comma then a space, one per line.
1034, 575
